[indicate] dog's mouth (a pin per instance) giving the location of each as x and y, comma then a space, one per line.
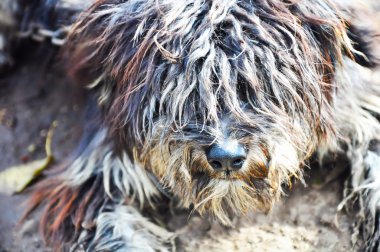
222, 175
253, 178
227, 173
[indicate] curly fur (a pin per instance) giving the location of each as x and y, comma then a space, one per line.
173, 77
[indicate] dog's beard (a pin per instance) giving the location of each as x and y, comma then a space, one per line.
182, 167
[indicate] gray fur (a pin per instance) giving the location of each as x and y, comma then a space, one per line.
169, 74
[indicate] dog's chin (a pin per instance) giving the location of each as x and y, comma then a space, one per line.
227, 195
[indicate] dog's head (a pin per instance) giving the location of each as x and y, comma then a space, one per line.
222, 101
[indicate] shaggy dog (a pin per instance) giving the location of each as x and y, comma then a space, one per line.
214, 104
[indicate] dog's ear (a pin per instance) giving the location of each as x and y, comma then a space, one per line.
366, 43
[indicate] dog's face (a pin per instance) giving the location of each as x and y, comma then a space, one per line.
222, 101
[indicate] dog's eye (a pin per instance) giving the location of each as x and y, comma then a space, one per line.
247, 95
240, 134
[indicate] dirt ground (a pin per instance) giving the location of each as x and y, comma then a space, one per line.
33, 95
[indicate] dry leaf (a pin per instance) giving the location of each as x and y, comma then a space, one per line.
16, 178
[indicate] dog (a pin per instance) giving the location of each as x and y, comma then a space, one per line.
214, 105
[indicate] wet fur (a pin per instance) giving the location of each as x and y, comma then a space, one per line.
173, 77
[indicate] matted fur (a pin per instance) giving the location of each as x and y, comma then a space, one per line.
169, 73
173, 77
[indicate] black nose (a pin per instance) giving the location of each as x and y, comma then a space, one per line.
230, 155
